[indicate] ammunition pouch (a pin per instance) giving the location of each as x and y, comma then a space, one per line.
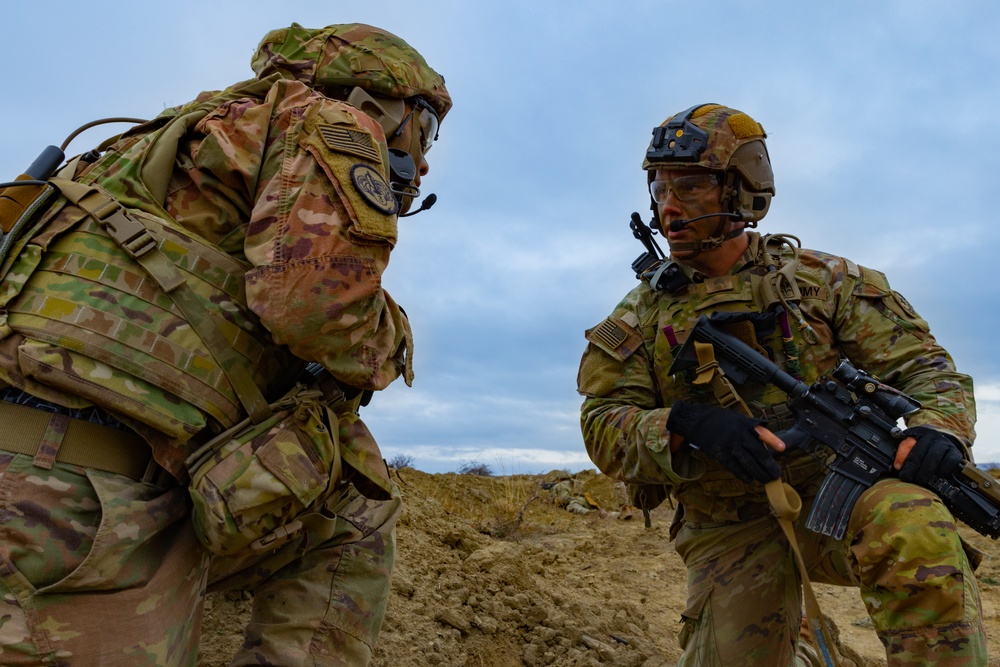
250, 483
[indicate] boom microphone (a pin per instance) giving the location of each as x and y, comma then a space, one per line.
678, 225
428, 201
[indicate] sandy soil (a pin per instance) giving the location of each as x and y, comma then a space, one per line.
491, 574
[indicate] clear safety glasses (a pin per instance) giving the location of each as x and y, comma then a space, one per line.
428, 121
685, 188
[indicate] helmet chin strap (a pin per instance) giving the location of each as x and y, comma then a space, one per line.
710, 243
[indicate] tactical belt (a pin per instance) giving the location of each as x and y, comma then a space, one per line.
51, 437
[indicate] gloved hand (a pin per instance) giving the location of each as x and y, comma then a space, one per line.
726, 436
935, 454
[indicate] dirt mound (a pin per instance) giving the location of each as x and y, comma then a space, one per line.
491, 574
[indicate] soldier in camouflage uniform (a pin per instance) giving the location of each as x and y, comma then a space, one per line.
567, 492
276, 202
710, 178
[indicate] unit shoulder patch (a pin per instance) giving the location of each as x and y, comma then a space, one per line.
905, 305
371, 185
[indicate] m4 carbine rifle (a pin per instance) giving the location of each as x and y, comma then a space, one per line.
856, 416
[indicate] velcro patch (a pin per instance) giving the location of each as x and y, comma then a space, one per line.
610, 334
371, 185
719, 284
743, 126
905, 305
616, 338
351, 141
813, 292
338, 147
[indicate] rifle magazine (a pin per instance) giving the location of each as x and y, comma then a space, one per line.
831, 509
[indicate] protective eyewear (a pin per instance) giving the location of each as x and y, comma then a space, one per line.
685, 188
427, 118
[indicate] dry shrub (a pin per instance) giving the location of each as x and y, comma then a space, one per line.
400, 461
475, 468
503, 516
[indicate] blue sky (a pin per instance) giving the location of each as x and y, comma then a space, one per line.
882, 132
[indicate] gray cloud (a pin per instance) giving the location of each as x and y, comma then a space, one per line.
880, 130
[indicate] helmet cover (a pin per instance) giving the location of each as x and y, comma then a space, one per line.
352, 54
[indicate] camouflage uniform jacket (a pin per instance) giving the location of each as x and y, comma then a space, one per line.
265, 171
852, 311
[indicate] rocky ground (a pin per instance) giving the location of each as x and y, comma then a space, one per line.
491, 574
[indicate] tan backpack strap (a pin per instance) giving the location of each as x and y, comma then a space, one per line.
131, 234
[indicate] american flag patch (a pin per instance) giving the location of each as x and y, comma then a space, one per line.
610, 334
352, 142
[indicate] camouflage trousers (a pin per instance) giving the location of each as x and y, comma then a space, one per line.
96, 568
901, 549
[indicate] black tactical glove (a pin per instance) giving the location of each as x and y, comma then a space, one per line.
936, 454
726, 436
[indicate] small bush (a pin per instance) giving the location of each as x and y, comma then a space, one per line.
475, 468
400, 461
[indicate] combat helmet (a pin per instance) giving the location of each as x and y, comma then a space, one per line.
718, 138
348, 56
372, 70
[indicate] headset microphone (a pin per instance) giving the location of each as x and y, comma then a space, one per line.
428, 201
678, 225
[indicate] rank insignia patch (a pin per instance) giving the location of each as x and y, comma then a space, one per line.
372, 186
350, 141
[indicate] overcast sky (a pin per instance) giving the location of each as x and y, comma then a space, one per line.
882, 124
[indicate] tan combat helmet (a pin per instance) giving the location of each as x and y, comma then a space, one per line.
367, 66
718, 138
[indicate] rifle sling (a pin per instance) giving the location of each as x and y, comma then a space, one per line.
710, 373
783, 498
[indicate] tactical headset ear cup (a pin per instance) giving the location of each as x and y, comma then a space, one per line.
754, 186
387, 111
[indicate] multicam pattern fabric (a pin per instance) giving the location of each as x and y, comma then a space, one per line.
886, 550
254, 180
849, 310
351, 55
261, 477
93, 564
93, 414
900, 534
257, 209
568, 494
727, 129
91, 320
71, 537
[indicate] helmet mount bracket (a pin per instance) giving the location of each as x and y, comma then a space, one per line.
679, 140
